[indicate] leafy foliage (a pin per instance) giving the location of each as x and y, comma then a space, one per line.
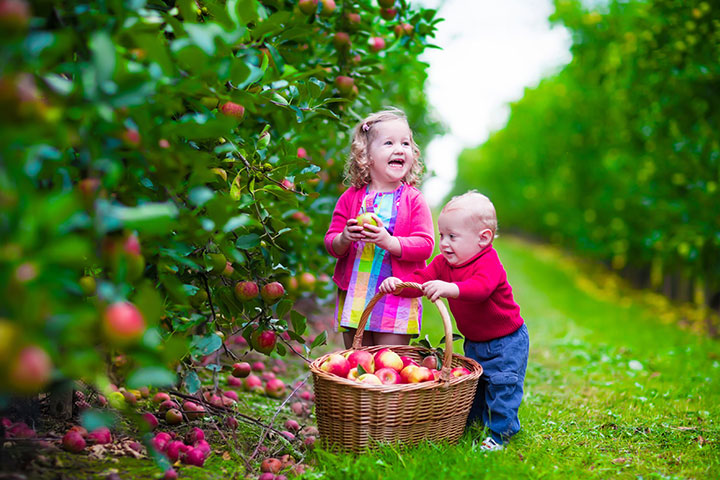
158, 152
616, 155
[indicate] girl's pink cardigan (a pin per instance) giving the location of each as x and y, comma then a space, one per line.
413, 228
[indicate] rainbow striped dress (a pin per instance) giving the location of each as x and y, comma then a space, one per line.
392, 314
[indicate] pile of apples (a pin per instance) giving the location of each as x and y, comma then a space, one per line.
386, 367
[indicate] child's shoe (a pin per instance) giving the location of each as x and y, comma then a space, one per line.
490, 445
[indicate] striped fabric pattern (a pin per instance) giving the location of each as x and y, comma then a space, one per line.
372, 265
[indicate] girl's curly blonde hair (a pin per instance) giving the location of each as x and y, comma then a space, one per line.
357, 166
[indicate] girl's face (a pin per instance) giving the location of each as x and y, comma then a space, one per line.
391, 155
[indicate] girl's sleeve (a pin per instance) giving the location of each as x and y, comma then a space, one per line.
418, 245
338, 221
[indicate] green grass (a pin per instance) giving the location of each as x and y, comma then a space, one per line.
613, 389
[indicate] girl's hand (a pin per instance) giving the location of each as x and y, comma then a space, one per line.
380, 236
388, 285
435, 289
352, 231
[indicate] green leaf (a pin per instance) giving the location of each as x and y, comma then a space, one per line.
200, 195
103, 50
280, 349
319, 340
93, 419
148, 218
299, 322
249, 241
237, 222
148, 300
361, 370
193, 383
151, 377
201, 346
455, 338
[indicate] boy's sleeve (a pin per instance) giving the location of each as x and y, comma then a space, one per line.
420, 276
484, 281
418, 245
338, 221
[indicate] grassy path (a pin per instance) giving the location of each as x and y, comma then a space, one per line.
613, 390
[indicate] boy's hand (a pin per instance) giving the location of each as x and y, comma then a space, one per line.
388, 285
435, 289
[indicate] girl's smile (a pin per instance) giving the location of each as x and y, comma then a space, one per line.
391, 155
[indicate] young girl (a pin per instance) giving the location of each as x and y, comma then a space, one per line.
383, 168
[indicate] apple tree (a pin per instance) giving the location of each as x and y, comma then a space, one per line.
167, 172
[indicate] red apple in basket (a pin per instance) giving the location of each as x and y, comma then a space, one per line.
459, 371
388, 376
369, 379
336, 364
362, 358
415, 374
386, 358
353, 374
408, 361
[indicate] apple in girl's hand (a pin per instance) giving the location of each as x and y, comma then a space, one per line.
336, 364
364, 218
369, 379
388, 376
459, 371
386, 358
362, 358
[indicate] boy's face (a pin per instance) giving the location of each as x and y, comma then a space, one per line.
460, 239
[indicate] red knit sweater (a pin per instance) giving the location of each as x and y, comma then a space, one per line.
484, 309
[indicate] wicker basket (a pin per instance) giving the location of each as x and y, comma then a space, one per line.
355, 416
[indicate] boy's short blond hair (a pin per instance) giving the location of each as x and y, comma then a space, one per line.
479, 208
357, 167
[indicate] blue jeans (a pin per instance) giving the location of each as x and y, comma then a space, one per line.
500, 388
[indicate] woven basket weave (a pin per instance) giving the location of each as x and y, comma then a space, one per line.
354, 416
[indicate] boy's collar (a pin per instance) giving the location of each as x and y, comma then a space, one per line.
474, 257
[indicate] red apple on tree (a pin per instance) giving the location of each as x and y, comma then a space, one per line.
232, 109
308, 7
341, 40
377, 44
29, 370
263, 341
344, 85
123, 323
328, 8
246, 290
241, 369
388, 13
272, 292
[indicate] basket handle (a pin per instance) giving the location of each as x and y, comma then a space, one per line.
357, 340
